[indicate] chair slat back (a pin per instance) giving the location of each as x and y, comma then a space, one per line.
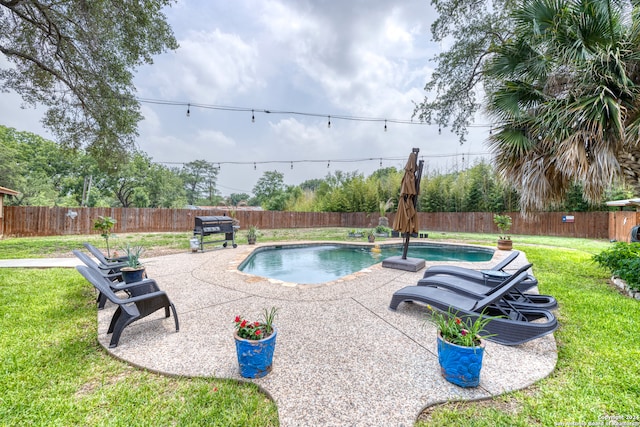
98, 282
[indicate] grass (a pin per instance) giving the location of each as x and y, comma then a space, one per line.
55, 373
596, 375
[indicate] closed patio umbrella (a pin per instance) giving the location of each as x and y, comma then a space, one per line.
406, 219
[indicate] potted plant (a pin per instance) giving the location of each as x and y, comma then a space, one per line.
383, 208
252, 234
503, 222
460, 346
105, 224
354, 233
255, 343
382, 231
371, 235
134, 270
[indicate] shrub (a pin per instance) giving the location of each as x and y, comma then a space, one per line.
381, 229
622, 260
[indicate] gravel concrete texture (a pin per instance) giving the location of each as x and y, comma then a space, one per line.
342, 357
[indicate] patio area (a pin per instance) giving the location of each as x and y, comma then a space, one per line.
342, 357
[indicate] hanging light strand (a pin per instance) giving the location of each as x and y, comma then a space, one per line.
360, 160
253, 111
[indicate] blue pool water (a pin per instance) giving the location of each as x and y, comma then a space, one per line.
311, 264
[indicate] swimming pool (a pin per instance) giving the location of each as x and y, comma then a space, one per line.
319, 263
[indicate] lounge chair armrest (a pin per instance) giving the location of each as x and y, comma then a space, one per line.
143, 297
148, 283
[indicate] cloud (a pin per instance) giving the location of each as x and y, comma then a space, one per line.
367, 58
209, 67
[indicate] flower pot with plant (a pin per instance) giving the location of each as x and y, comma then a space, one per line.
371, 235
255, 344
383, 208
381, 231
503, 222
460, 346
252, 234
134, 270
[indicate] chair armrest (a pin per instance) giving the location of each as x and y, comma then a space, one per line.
143, 297
144, 283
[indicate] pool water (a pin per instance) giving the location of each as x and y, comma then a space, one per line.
312, 264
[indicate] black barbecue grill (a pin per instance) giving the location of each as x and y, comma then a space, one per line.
216, 226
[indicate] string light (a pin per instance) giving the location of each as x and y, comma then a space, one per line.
385, 125
291, 165
355, 160
254, 166
188, 110
329, 123
439, 130
380, 161
290, 112
253, 117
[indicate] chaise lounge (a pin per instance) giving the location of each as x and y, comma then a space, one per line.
479, 290
492, 277
514, 326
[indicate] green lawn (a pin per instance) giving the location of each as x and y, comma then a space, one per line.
55, 373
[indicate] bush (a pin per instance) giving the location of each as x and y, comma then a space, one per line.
622, 260
381, 229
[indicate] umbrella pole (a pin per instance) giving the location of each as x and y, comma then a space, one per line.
406, 245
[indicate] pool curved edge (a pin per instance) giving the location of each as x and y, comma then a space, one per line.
281, 245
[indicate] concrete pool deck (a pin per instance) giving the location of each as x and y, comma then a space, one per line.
342, 357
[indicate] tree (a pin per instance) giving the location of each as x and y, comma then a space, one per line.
561, 88
165, 188
200, 179
235, 199
454, 91
269, 189
77, 58
128, 182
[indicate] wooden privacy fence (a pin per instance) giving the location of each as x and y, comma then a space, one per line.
20, 221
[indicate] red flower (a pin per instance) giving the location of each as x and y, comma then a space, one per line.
237, 319
256, 323
258, 332
458, 321
464, 332
243, 324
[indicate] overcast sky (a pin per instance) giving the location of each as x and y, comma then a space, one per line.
365, 58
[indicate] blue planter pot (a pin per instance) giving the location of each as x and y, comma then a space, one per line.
132, 276
460, 365
255, 358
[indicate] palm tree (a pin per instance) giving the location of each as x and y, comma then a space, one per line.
563, 92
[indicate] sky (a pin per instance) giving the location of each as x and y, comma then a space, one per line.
309, 59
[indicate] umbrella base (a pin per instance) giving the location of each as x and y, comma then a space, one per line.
409, 264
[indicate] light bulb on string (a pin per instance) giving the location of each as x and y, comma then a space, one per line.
380, 161
188, 110
439, 130
253, 117
329, 122
254, 166
385, 125
291, 165
328, 163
